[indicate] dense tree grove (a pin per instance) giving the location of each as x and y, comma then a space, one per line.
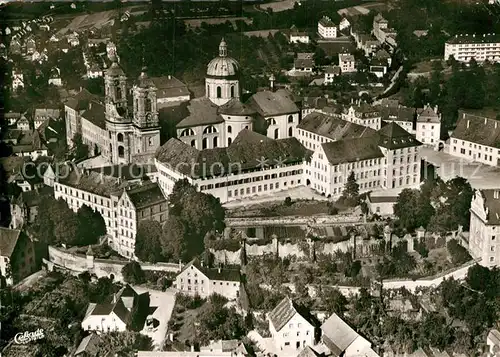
192, 215
439, 206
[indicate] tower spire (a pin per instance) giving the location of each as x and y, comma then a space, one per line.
223, 48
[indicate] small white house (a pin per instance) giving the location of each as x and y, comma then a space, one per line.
292, 327
55, 77
297, 36
330, 73
344, 24
347, 63
326, 28
428, 126
17, 80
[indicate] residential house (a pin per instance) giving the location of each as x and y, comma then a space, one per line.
54, 38
428, 126
347, 63
73, 39
94, 71
304, 63
330, 73
364, 114
381, 205
476, 138
296, 36
344, 24
30, 44
88, 347
17, 80
366, 42
196, 279
401, 115
55, 77
326, 28
44, 27
292, 326
15, 47
41, 115
12, 117
342, 340
115, 315
382, 32
25, 207
30, 144
484, 236
236, 347
17, 256
23, 124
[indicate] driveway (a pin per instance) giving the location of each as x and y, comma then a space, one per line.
164, 302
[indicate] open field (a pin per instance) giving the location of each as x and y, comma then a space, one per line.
194, 23
279, 5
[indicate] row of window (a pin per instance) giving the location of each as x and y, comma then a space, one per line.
195, 281
250, 179
463, 152
256, 189
476, 146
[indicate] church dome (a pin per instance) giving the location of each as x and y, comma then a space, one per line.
115, 70
144, 81
223, 66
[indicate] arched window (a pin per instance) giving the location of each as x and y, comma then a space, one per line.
219, 92
187, 132
232, 91
118, 90
209, 130
290, 118
110, 149
229, 129
229, 141
290, 131
208, 91
276, 133
204, 143
149, 105
193, 143
216, 141
121, 152
271, 121
119, 137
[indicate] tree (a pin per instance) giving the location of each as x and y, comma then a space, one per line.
91, 225
350, 195
133, 273
412, 209
332, 301
173, 243
123, 343
148, 241
81, 150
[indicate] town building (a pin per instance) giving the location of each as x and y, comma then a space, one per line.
55, 77
364, 114
326, 28
347, 63
251, 165
480, 47
342, 340
292, 327
484, 230
428, 126
344, 24
115, 315
304, 63
15, 47
73, 39
30, 145
196, 279
401, 115
330, 73
41, 115
119, 194
493, 342
381, 205
23, 124
17, 256
30, 44
476, 138
170, 91
365, 42
94, 71
382, 32
17, 80
24, 209
296, 36
237, 348
121, 135
385, 159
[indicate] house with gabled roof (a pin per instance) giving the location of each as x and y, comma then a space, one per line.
17, 256
292, 326
25, 207
115, 315
197, 279
342, 340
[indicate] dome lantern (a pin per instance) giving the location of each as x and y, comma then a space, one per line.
222, 48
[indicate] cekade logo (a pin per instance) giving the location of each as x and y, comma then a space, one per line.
26, 337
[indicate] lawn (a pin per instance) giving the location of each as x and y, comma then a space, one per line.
276, 209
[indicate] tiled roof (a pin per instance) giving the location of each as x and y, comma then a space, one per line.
346, 57
365, 110
169, 86
333, 128
337, 335
492, 204
88, 345
246, 152
308, 352
81, 100
8, 241
494, 336
201, 112
393, 137
222, 274
47, 113
397, 113
352, 150
285, 310
269, 103
332, 69
146, 195
235, 107
126, 172
477, 129
118, 305
427, 115
96, 114
303, 63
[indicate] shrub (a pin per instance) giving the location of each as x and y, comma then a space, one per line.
333, 210
133, 273
458, 254
288, 201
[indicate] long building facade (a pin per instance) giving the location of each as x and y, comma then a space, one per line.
480, 47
